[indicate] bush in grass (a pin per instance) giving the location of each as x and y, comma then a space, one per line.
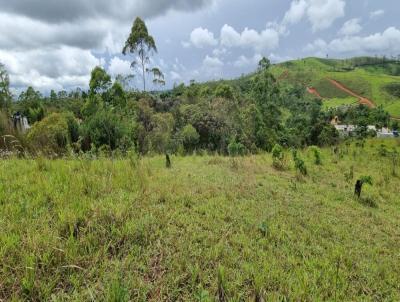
278, 156
189, 137
236, 149
317, 155
299, 163
360, 183
54, 133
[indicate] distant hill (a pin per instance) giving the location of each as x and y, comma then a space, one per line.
372, 81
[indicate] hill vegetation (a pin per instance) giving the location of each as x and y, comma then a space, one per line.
372, 78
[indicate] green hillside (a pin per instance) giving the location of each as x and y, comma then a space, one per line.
374, 78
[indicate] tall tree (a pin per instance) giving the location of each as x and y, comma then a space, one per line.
5, 94
141, 45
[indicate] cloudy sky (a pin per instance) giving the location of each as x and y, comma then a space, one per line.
54, 44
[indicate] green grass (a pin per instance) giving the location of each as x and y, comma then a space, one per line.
336, 102
119, 230
329, 91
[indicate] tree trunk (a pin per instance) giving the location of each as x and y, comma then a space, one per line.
144, 77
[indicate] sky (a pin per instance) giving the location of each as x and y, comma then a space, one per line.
54, 44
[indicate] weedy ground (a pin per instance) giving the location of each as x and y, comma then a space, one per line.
210, 228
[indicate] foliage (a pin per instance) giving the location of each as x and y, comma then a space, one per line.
317, 155
5, 94
278, 156
299, 164
106, 128
236, 149
224, 91
53, 134
189, 137
366, 180
100, 81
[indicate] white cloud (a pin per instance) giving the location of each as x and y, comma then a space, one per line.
49, 67
296, 12
202, 37
320, 13
230, 37
212, 62
219, 52
387, 42
119, 67
250, 38
44, 38
351, 27
244, 61
377, 14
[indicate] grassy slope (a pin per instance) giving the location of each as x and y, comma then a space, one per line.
94, 230
366, 81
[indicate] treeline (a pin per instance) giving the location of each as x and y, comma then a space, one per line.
228, 119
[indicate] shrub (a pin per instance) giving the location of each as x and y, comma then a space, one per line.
317, 155
236, 149
106, 128
278, 156
189, 137
299, 163
224, 91
54, 133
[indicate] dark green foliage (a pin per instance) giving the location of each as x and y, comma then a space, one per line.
106, 128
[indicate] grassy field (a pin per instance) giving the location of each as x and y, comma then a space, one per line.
210, 228
369, 82
337, 102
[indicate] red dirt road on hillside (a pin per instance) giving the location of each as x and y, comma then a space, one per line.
314, 91
361, 99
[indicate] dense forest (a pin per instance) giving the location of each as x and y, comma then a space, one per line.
238, 117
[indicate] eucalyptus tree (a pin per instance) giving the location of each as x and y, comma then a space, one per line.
142, 45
